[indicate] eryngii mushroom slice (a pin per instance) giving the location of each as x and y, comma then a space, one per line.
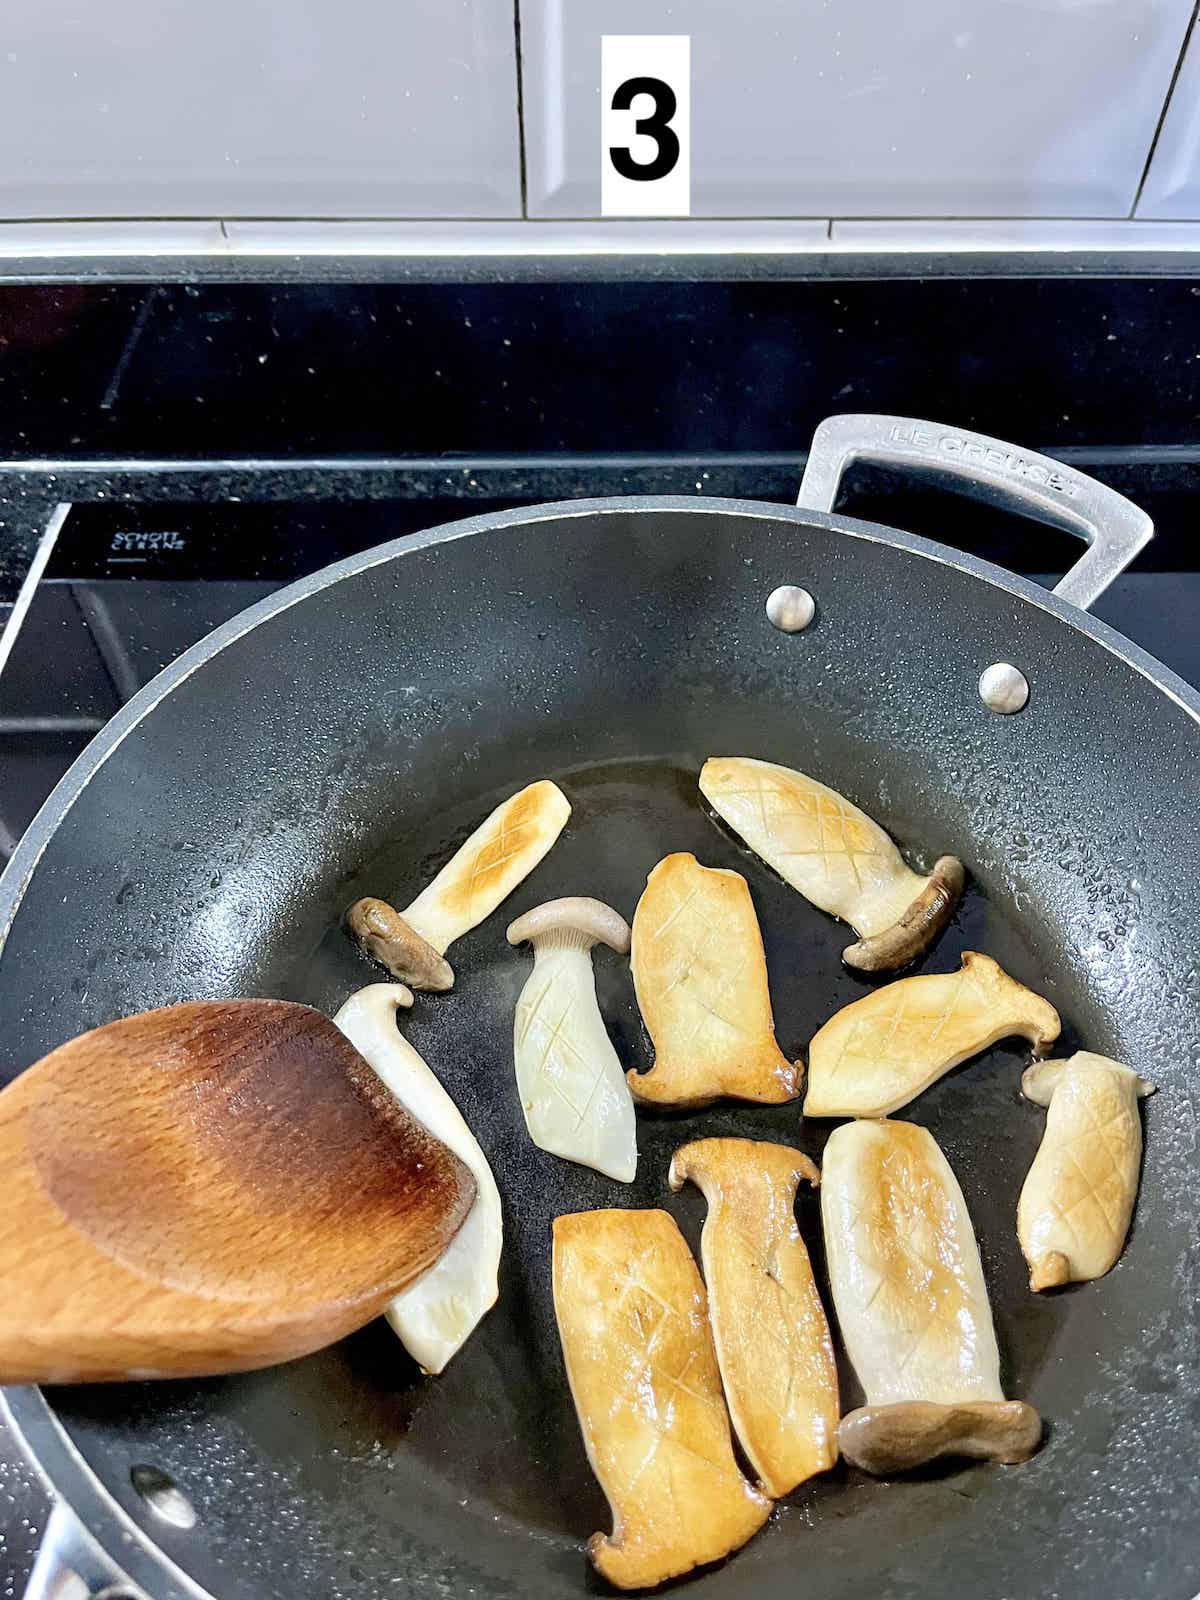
913, 1309
701, 981
434, 1316
836, 856
573, 1091
1078, 1197
632, 1317
880, 1052
769, 1327
502, 851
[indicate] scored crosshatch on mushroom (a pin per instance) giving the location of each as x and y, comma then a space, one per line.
632, 1316
700, 975
836, 856
1075, 1207
769, 1326
562, 1053
913, 1308
878, 1053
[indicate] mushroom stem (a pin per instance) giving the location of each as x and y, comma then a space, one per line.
386, 937
917, 928
895, 1438
563, 1056
436, 1314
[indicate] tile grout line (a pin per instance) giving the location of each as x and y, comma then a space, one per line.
520, 110
1162, 116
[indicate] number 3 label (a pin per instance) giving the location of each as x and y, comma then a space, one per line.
645, 125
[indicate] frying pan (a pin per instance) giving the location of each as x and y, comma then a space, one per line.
346, 734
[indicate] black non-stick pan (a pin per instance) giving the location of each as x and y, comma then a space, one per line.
346, 734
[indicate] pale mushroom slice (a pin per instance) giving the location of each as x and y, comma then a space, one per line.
573, 1092
880, 1052
701, 980
502, 851
1078, 1197
434, 1316
836, 856
913, 1309
633, 1321
769, 1327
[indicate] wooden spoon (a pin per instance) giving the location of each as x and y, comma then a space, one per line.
208, 1188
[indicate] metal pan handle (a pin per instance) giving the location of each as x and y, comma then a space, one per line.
1113, 528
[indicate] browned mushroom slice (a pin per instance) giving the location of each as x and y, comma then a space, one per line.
1075, 1207
876, 1055
701, 981
910, 1298
502, 851
769, 1326
633, 1322
836, 856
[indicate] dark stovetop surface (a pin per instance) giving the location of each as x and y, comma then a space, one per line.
485, 391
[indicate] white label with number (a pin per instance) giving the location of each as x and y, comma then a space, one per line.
645, 125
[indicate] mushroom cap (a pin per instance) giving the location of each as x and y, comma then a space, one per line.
895, 1438
387, 937
391, 997
598, 923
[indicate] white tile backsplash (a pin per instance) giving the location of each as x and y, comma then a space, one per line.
917, 108
1172, 187
212, 108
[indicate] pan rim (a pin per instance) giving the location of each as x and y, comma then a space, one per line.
30, 1414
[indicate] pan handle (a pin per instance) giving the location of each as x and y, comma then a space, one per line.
70, 1565
1112, 527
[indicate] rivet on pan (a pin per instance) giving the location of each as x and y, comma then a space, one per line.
164, 1496
1003, 688
790, 609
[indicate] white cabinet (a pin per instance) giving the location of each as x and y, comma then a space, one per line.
1171, 192
258, 108
859, 108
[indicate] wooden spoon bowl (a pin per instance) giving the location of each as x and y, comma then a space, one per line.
207, 1188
